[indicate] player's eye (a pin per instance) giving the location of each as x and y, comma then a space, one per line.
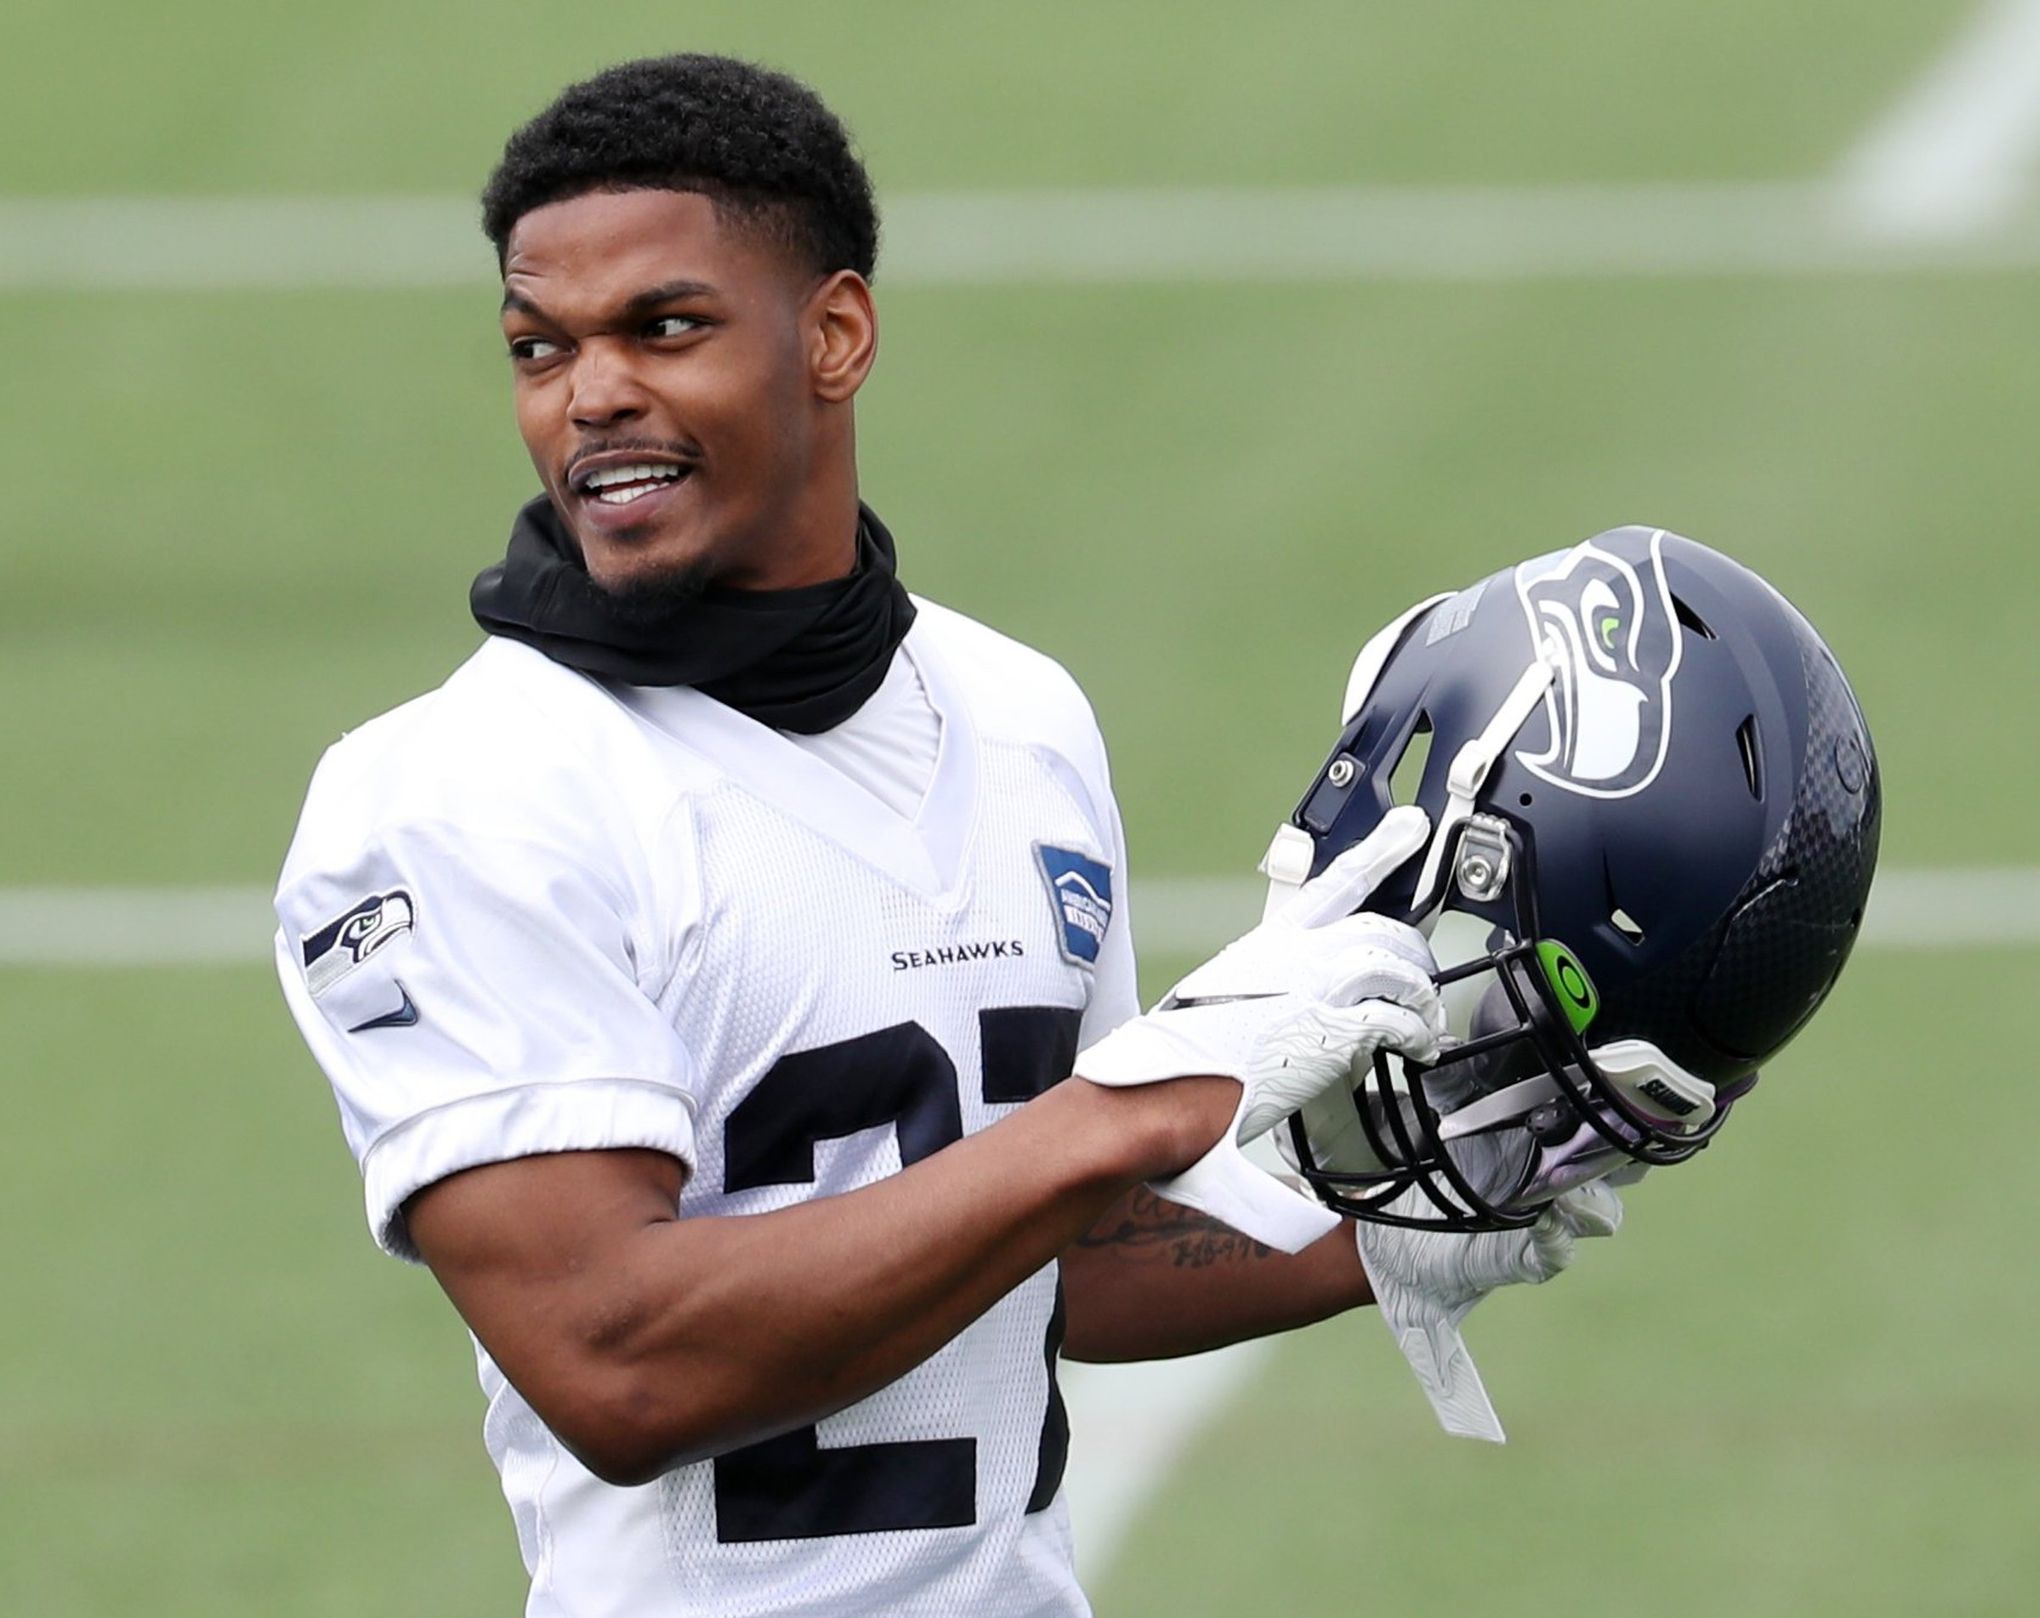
532, 348
672, 326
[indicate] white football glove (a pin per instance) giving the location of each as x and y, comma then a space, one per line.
1426, 1282
1289, 1009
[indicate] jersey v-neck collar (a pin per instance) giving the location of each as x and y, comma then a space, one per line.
924, 851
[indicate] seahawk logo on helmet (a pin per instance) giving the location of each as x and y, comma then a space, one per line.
1608, 628
1655, 811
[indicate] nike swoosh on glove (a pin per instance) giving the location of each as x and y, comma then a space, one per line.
1426, 1282
1289, 1010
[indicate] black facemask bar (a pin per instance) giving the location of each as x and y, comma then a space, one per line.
1572, 1120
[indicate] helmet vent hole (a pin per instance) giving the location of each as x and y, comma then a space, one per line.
1752, 756
1691, 619
1626, 925
1408, 775
1525, 800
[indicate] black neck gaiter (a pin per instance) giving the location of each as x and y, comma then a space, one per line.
803, 660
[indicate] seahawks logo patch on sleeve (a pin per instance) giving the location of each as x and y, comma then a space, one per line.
1081, 891
337, 948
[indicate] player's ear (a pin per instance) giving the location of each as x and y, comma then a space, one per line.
843, 336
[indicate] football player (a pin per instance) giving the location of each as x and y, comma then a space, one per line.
698, 968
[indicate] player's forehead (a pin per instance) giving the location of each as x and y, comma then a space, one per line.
590, 256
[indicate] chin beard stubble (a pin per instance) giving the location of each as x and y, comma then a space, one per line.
649, 600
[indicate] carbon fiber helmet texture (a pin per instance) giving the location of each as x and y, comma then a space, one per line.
1711, 878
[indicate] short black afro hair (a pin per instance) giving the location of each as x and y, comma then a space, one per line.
758, 144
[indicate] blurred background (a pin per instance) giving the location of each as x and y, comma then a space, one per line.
1213, 337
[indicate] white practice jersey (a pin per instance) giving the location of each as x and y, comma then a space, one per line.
534, 912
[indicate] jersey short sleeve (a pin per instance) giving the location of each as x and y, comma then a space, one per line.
1115, 990
476, 998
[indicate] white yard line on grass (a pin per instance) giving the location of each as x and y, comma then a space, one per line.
1413, 233
1956, 908
1095, 237
1954, 155
1939, 182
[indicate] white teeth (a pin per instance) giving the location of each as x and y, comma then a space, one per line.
611, 475
623, 497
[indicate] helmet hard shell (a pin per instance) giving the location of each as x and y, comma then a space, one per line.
1655, 810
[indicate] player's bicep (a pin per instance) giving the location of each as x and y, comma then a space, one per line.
505, 1239
544, 1257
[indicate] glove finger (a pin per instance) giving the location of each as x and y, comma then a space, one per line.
1342, 886
1585, 1211
1319, 1049
1552, 1247
1589, 1210
1352, 980
1363, 929
1375, 1025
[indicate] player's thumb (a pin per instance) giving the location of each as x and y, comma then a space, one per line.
1585, 1211
1593, 1209
1343, 886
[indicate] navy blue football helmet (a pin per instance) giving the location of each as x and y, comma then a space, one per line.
1655, 812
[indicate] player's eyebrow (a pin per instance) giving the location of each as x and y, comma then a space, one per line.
638, 303
523, 305
666, 292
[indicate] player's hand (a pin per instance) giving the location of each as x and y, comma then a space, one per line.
1426, 1282
1452, 1271
1289, 1009
1289, 1006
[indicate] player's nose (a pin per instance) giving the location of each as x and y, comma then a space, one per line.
606, 388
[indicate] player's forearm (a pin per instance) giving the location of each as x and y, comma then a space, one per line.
740, 1328
1152, 1279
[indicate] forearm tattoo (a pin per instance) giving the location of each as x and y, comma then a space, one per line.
1152, 1227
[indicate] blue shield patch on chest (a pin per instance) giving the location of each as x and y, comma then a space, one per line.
1081, 891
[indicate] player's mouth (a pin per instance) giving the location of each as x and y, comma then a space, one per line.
626, 488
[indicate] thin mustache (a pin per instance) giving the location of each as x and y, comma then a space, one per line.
672, 448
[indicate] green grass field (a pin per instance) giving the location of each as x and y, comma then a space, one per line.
236, 524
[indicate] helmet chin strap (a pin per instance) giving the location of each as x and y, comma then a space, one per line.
1288, 860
